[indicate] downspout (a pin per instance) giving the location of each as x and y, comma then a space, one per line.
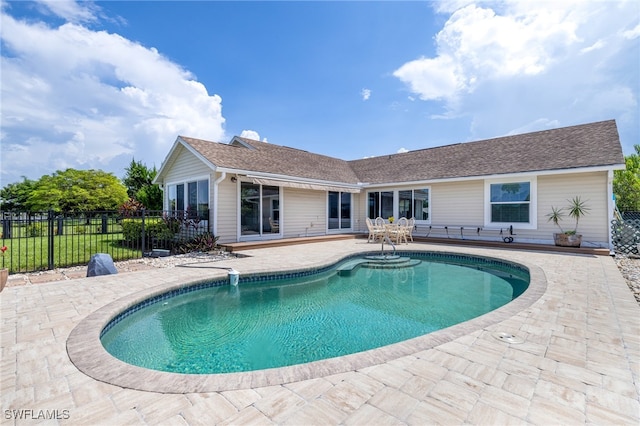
215, 202
610, 209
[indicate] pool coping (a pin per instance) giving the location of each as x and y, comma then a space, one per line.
86, 352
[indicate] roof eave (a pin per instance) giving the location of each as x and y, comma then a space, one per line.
275, 176
179, 141
589, 169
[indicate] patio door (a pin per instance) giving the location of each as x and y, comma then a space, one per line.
259, 210
339, 214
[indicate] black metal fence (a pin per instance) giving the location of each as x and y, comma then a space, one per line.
626, 233
49, 240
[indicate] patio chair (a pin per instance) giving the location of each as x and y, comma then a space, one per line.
275, 226
401, 230
411, 226
375, 231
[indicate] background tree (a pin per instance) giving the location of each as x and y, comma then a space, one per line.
139, 182
626, 183
78, 190
15, 196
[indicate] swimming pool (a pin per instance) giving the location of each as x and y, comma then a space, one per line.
274, 321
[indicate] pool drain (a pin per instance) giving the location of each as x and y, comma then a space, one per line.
508, 337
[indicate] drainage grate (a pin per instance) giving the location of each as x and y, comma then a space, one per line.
508, 337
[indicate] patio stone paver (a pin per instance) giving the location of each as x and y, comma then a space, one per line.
579, 362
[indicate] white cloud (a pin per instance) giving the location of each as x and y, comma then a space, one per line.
595, 46
514, 65
70, 10
539, 124
632, 33
250, 134
366, 94
477, 43
74, 97
436, 78
402, 150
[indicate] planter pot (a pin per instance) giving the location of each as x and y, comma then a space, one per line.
4, 276
564, 240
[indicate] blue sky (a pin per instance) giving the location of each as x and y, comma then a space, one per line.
95, 84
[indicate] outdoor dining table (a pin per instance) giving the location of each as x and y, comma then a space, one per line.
392, 230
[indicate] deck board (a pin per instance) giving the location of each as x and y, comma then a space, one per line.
250, 245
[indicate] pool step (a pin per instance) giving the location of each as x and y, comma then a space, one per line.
393, 265
376, 262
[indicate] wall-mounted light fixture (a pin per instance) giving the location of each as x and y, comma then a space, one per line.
234, 179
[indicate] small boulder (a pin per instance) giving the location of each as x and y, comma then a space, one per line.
101, 264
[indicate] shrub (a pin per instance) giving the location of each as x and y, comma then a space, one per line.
131, 208
35, 230
205, 242
131, 230
172, 223
153, 229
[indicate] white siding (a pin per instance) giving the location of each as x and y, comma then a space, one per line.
458, 203
557, 190
303, 213
227, 210
186, 166
463, 203
359, 212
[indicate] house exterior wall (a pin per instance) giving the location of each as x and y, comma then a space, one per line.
186, 166
457, 203
303, 213
556, 190
452, 203
227, 205
463, 203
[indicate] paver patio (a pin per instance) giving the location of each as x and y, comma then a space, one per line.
579, 362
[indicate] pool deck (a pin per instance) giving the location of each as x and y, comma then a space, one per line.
579, 362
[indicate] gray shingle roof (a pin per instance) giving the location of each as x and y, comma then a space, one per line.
588, 145
274, 159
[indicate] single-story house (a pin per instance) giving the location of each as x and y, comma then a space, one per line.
250, 190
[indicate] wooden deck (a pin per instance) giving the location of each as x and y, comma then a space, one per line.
250, 245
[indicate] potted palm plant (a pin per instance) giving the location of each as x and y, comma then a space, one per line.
575, 210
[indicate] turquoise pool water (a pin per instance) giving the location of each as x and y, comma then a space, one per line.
275, 323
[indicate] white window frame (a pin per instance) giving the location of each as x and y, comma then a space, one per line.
396, 201
186, 182
261, 236
533, 202
351, 206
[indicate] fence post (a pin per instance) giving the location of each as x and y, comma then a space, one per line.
104, 228
60, 225
144, 234
6, 228
50, 237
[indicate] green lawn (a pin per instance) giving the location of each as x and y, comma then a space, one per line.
29, 254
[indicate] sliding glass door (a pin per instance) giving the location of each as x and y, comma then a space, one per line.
339, 210
259, 210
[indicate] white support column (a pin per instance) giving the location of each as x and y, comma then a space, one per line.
610, 208
215, 202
